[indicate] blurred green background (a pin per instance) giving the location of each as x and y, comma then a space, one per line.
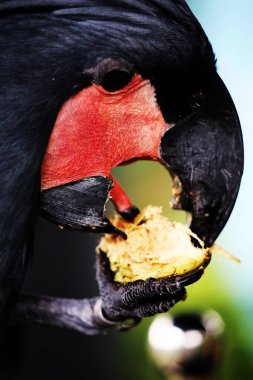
226, 286
63, 262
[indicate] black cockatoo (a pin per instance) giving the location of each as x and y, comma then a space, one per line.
86, 85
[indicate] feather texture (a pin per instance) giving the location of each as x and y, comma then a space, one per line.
45, 49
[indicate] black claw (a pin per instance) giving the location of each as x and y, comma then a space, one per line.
190, 279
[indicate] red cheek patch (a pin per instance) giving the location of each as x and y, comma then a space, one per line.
95, 131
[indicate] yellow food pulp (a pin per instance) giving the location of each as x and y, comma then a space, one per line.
155, 247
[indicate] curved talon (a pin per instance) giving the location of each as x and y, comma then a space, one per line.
193, 277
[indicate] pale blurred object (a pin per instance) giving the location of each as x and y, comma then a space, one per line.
188, 346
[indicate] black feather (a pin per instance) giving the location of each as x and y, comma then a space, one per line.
45, 48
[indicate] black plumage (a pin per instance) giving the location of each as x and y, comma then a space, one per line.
48, 50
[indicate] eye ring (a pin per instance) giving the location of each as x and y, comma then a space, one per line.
116, 79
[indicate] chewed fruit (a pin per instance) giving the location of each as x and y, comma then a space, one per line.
155, 247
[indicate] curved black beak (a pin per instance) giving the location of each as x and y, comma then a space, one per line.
79, 205
205, 151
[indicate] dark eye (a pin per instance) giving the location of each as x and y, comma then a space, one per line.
115, 80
